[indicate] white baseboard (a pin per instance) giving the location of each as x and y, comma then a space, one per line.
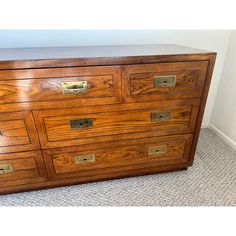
224, 137
204, 125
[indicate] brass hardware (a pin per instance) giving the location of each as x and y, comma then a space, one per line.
167, 81
157, 150
6, 168
74, 87
160, 116
81, 123
85, 159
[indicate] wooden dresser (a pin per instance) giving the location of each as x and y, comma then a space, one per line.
81, 114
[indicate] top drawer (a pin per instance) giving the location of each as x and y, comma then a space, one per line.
69, 86
164, 81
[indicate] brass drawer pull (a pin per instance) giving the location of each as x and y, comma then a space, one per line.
81, 123
85, 159
167, 81
74, 87
157, 150
160, 116
6, 168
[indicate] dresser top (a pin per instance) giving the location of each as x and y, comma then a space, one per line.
94, 51
89, 55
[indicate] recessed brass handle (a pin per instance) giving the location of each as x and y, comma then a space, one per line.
160, 116
157, 150
74, 87
6, 168
165, 81
81, 123
85, 159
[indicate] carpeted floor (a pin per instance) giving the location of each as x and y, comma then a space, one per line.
211, 181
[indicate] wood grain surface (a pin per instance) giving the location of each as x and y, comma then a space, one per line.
28, 167
134, 153
139, 79
17, 132
122, 122
25, 86
97, 55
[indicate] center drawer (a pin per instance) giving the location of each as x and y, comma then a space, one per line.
76, 126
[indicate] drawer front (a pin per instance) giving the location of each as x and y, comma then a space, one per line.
65, 127
164, 81
17, 132
118, 156
85, 85
21, 168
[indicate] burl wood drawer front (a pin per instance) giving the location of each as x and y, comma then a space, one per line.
63, 127
21, 168
70, 86
164, 81
17, 132
117, 156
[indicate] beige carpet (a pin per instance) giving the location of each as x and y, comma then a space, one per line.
211, 181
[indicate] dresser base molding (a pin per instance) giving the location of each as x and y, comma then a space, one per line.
84, 114
89, 179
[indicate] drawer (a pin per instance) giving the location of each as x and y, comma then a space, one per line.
117, 156
69, 86
21, 168
17, 132
66, 127
164, 81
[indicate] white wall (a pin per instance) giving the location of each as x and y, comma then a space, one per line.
223, 119
215, 40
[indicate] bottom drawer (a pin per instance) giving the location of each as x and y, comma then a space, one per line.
21, 168
113, 157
